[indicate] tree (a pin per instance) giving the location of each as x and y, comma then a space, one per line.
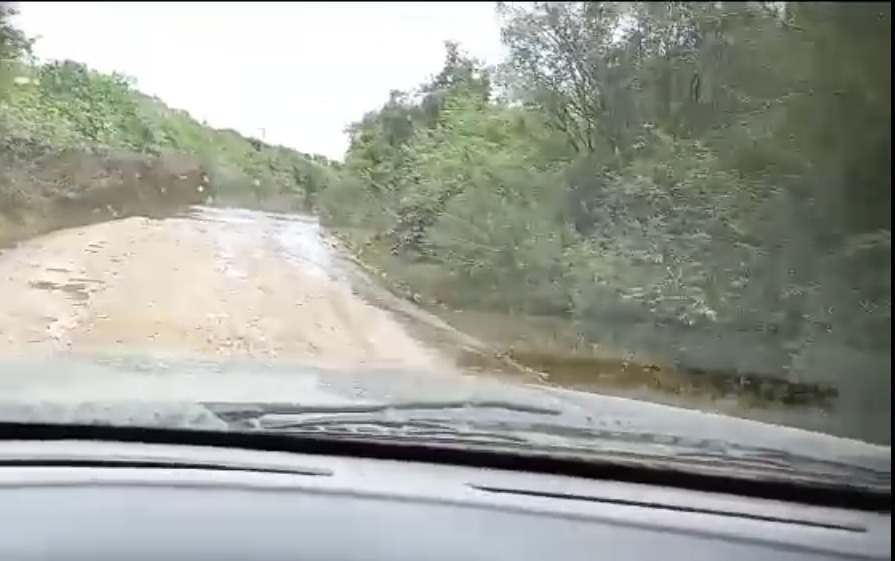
706, 182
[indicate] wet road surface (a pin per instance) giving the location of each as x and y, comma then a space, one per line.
237, 305
213, 282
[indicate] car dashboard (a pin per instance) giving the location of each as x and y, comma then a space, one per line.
95, 500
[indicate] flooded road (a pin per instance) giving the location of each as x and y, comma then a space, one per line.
213, 282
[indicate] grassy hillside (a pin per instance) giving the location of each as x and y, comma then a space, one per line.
78, 145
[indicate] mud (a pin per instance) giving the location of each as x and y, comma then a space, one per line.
209, 283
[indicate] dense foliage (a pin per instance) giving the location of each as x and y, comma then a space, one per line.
704, 182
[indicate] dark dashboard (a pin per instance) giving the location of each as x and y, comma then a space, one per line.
68, 500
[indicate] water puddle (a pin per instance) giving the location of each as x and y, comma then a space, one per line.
301, 241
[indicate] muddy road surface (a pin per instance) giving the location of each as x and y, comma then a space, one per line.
212, 282
237, 305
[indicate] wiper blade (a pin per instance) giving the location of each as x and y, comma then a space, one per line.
431, 432
243, 411
524, 429
422, 421
522, 440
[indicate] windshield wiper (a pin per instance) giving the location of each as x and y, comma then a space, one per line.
417, 430
229, 411
418, 421
523, 429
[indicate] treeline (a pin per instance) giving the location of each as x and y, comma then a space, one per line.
707, 183
57, 113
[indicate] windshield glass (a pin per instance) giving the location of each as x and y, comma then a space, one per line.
650, 228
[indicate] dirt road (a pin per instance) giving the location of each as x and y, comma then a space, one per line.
212, 283
269, 294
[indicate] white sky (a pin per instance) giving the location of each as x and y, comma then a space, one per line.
301, 71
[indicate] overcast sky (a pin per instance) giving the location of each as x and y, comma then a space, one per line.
301, 71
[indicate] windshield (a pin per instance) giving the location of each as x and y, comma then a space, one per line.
631, 227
